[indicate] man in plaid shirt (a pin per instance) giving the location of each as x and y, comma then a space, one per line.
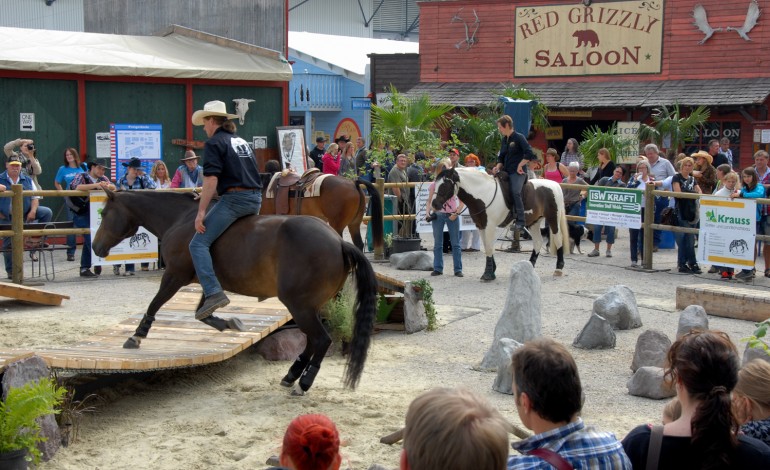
548, 394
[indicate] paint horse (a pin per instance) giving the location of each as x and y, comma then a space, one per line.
298, 259
487, 203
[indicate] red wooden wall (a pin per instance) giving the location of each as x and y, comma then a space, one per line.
725, 55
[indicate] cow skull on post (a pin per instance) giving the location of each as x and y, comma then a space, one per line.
241, 107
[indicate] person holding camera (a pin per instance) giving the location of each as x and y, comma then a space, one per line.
30, 166
449, 215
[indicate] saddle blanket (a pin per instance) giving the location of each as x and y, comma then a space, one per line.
314, 190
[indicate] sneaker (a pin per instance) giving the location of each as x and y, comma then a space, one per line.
634, 265
70, 257
436, 273
116, 270
726, 275
87, 273
593, 254
211, 303
609, 253
712, 270
684, 269
744, 275
98, 270
459, 274
695, 268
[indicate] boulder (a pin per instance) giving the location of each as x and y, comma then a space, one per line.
520, 318
415, 318
283, 345
412, 260
618, 306
754, 353
692, 318
18, 374
651, 349
596, 334
504, 380
648, 382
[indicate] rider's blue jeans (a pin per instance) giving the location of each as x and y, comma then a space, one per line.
516, 183
231, 207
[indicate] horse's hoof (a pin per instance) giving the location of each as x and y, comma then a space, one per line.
286, 383
235, 324
557, 273
132, 343
298, 393
488, 277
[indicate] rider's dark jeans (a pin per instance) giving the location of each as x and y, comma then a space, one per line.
516, 183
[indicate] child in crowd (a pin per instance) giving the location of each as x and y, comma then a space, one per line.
672, 411
311, 442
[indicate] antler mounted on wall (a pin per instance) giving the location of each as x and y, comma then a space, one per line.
470, 38
702, 22
752, 15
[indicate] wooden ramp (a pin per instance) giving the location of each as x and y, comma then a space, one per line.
175, 340
742, 303
30, 294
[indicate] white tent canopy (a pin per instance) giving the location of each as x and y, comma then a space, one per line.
180, 53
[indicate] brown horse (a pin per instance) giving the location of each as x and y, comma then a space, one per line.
300, 260
342, 203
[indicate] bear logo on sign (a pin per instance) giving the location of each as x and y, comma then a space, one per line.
586, 37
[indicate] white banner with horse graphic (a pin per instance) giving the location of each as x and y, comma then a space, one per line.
728, 230
421, 202
141, 248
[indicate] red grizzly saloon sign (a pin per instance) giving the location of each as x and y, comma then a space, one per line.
602, 39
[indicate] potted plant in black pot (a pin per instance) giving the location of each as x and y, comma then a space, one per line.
19, 429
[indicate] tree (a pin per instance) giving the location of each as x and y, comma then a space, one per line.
668, 122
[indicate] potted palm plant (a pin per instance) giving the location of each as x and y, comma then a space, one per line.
670, 123
19, 429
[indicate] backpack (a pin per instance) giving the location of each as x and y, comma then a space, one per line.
78, 204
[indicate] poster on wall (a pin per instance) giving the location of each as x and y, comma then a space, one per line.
142, 247
293, 152
628, 132
142, 141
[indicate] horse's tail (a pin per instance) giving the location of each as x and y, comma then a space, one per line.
377, 230
561, 220
365, 312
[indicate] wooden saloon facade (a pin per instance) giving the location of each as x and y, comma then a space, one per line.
597, 62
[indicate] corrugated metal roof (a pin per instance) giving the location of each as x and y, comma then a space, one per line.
642, 94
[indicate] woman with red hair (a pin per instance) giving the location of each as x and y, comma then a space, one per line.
311, 442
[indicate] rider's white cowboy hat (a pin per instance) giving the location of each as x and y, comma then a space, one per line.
212, 108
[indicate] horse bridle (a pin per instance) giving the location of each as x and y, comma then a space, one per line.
497, 185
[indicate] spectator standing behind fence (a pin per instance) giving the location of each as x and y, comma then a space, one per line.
331, 160
606, 166
703, 366
133, 179
704, 173
30, 165
751, 189
660, 168
614, 181
718, 157
729, 186
453, 429
159, 175
686, 216
348, 161
636, 235
763, 228
549, 397
448, 215
64, 176
93, 180
33, 211
573, 197
553, 169
722, 170
190, 173
470, 240
751, 400
724, 148
572, 154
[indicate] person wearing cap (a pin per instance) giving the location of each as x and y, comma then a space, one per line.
30, 165
705, 174
454, 157
92, 180
33, 211
230, 171
318, 152
189, 174
132, 179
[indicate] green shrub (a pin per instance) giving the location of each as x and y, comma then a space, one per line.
338, 312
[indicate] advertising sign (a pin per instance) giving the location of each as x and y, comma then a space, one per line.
728, 231
629, 133
624, 37
140, 248
142, 141
614, 206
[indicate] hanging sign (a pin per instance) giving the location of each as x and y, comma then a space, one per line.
615, 207
728, 231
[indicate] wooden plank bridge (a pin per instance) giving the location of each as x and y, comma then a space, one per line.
175, 340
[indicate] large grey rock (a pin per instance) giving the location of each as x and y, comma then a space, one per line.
596, 334
651, 349
18, 374
648, 382
692, 318
520, 318
415, 318
283, 345
412, 260
754, 353
504, 380
618, 306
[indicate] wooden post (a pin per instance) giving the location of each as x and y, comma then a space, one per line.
379, 252
17, 225
649, 219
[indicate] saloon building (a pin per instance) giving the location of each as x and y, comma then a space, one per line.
599, 62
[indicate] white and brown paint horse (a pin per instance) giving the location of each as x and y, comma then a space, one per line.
485, 199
